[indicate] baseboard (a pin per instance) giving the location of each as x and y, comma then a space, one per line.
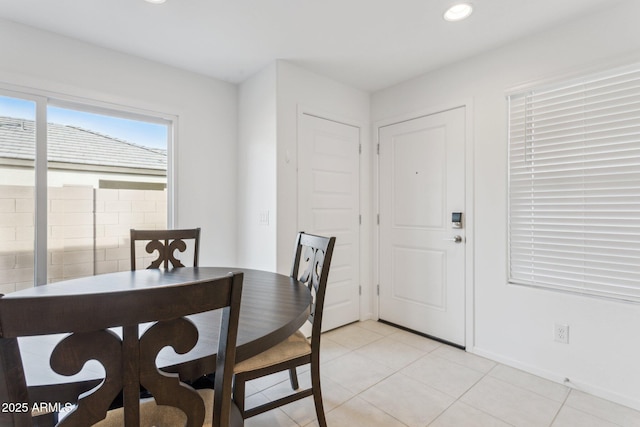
574, 383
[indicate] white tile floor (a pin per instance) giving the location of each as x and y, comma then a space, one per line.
376, 375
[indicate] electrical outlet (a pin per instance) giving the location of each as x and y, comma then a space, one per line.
561, 333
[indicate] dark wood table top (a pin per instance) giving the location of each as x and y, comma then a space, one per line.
273, 307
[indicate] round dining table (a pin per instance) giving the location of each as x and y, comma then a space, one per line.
273, 307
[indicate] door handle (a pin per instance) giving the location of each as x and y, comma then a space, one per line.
455, 239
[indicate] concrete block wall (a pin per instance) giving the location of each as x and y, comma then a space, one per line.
70, 232
117, 211
87, 232
16, 237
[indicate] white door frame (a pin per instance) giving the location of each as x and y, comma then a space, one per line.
365, 211
469, 207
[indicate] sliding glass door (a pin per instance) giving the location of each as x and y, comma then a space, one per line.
75, 179
17, 192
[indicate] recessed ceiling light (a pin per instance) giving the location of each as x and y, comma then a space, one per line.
458, 12
155, 1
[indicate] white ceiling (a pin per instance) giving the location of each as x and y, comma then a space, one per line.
368, 44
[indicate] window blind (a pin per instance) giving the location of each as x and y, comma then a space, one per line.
574, 185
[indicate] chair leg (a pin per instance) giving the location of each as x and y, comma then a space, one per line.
238, 393
293, 377
317, 394
45, 420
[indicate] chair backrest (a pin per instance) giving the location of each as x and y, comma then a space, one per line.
311, 262
129, 361
165, 243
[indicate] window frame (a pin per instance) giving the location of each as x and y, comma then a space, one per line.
126, 110
566, 82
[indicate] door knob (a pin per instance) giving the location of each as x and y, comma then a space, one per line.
456, 239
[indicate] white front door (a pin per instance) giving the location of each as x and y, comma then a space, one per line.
329, 205
422, 266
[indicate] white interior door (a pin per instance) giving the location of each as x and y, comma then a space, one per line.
329, 205
422, 269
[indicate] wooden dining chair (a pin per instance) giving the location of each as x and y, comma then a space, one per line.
105, 327
311, 262
165, 243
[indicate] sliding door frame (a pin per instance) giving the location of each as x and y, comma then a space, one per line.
43, 99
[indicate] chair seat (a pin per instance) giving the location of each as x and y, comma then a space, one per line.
295, 346
152, 415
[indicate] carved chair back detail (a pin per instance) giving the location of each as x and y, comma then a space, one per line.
311, 262
165, 243
309, 258
104, 326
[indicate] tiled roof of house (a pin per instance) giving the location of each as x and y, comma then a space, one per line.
69, 144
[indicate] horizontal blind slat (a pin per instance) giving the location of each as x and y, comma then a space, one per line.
574, 185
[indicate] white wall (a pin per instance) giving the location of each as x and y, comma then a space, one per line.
302, 90
269, 105
257, 170
206, 110
513, 324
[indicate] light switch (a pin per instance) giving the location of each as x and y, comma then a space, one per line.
264, 217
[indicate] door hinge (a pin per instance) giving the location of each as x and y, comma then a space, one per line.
378, 219
360, 219
359, 290
378, 148
378, 290
360, 149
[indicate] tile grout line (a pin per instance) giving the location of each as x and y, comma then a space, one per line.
485, 375
357, 395
571, 390
520, 383
529, 390
564, 401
